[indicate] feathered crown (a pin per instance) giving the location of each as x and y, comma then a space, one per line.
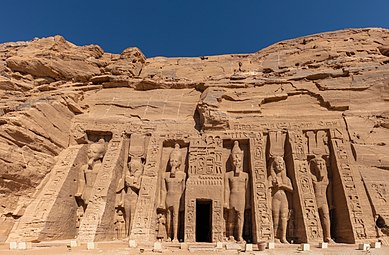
176, 152
236, 149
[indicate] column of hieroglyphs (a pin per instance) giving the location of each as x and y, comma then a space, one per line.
52, 214
144, 219
310, 229
358, 222
263, 229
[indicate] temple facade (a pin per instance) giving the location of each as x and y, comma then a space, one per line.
275, 180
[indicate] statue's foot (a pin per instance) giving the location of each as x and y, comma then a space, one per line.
175, 240
168, 239
276, 240
283, 240
241, 241
329, 240
231, 239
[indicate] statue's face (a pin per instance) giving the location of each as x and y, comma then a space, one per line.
237, 162
174, 163
94, 151
278, 164
321, 167
135, 167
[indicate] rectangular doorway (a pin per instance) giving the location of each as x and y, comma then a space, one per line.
203, 220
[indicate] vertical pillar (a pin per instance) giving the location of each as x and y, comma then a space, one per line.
356, 219
97, 223
190, 217
263, 229
310, 228
52, 214
144, 219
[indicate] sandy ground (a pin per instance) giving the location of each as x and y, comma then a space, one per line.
121, 248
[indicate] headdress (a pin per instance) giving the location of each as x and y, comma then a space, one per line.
176, 152
236, 149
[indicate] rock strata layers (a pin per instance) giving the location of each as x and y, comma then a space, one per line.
53, 93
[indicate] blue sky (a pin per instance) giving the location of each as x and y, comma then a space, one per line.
183, 27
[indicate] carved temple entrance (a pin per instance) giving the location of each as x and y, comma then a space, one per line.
203, 220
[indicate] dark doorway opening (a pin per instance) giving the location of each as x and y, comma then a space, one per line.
203, 220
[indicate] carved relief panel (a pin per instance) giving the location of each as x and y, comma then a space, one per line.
205, 185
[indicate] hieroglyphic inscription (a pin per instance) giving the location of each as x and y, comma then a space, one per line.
190, 217
205, 156
35, 219
283, 125
262, 210
153, 156
205, 181
142, 227
306, 194
217, 219
96, 222
347, 178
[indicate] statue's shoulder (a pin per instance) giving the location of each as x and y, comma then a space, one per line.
181, 174
229, 174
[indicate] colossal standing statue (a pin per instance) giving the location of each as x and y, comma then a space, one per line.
279, 183
129, 187
173, 186
320, 185
235, 187
89, 171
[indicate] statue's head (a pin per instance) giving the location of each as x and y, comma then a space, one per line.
96, 151
319, 167
175, 158
278, 164
237, 157
135, 166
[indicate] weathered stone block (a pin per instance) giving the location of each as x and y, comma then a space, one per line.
323, 245
13, 245
364, 246
305, 247
132, 243
91, 246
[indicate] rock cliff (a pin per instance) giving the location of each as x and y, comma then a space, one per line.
49, 85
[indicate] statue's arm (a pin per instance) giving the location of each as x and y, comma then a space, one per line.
183, 182
226, 192
288, 185
163, 192
81, 181
135, 185
246, 182
329, 193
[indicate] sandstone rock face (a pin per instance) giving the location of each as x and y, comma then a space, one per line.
320, 96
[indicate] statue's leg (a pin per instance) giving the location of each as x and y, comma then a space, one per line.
326, 224
276, 216
175, 223
127, 214
230, 224
240, 221
169, 224
284, 221
132, 211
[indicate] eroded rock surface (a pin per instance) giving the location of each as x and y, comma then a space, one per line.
55, 95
